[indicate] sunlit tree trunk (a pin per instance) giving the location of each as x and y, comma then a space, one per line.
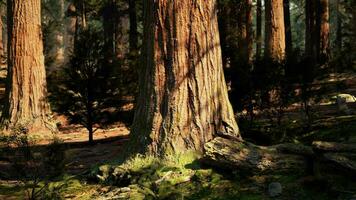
26, 100
274, 31
258, 28
288, 28
183, 100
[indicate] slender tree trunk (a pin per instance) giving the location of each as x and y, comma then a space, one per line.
2, 51
133, 34
274, 31
183, 100
245, 32
71, 30
26, 93
110, 18
324, 48
258, 29
83, 15
339, 27
288, 29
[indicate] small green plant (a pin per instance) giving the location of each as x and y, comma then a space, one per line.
34, 166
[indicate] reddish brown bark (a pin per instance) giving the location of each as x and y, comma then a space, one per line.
274, 31
324, 52
183, 100
26, 103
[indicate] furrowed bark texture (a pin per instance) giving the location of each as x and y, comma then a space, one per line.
26, 90
275, 33
183, 98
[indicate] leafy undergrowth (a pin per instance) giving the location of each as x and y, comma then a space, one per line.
183, 177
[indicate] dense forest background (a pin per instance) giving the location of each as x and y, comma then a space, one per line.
225, 99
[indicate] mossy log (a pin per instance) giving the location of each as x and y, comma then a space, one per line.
239, 155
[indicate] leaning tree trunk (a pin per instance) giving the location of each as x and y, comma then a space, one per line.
274, 31
183, 100
26, 102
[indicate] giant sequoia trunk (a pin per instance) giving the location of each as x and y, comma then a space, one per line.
26, 103
183, 100
274, 31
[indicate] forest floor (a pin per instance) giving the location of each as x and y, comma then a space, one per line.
88, 168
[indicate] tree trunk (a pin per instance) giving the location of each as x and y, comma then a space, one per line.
26, 93
288, 28
133, 34
274, 31
339, 27
310, 30
2, 49
245, 39
71, 30
324, 49
258, 29
183, 100
110, 17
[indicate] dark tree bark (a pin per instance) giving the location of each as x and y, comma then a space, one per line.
183, 100
110, 18
26, 93
2, 49
245, 35
258, 29
310, 30
274, 31
133, 34
288, 28
339, 27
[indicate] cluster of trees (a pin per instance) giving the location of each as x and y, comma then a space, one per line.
183, 99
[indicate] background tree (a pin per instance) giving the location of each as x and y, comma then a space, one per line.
258, 29
274, 31
26, 97
183, 99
